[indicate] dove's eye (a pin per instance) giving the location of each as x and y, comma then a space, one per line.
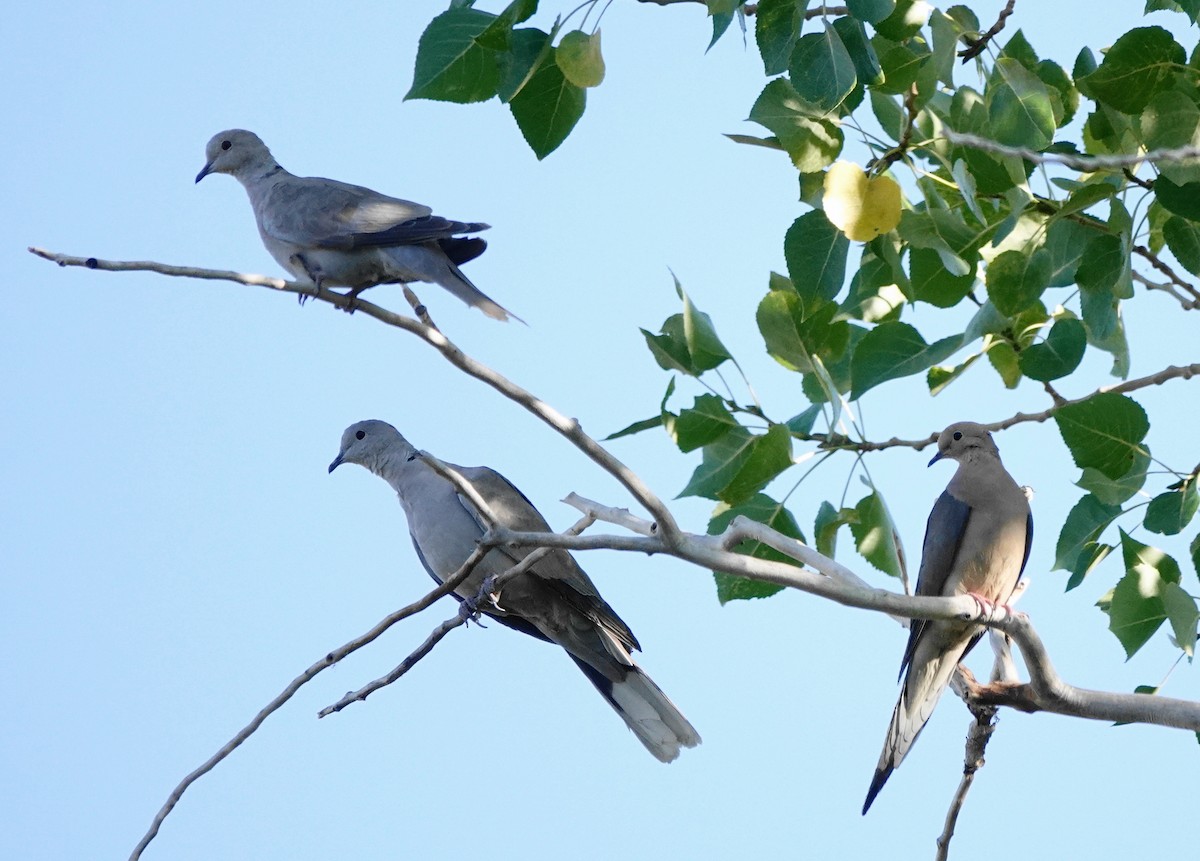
226, 144
360, 434
958, 434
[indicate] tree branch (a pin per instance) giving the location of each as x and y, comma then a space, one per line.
490, 592
1082, 163
304, 678
978, 735
975, 46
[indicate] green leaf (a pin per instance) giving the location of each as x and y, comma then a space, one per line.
740, 464
637, 427
1172, 119
940, 376
871, 11
547, 108
671, 348
1180, 199
1058, 355
1183, 238
1087, 520
1194, 548
1169, 513
1091, 556
1015, 280
815, 252
893, 350
793, 340
578, 56
1183, 615
1115, 491
706, 421
451, 64
1100, 268
825, 528
1018, 105
700, 335
763, 509
901, 64
1135, 607
810, 139
1066, 241
529, 46
854, 37
498, 35
875, 534
1103, 432
821, 70
1141, 64
946, 233
934, 283
777, 26
908, 17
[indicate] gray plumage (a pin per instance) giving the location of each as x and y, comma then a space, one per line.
553, 601
338, 235
976, 542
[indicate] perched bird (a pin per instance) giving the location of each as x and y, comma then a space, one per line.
339, 235
553, 601
976, 543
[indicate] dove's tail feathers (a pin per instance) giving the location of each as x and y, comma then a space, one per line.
927, 678
462, 249
646, 710
460, 285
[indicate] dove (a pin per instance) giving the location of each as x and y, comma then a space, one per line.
333, 234
977, 542
554, 601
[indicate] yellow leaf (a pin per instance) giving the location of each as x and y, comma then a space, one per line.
861, 208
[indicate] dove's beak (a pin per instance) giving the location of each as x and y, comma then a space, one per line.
204, 171
935, 458
337, 461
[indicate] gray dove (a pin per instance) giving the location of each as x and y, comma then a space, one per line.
976, 543
554, 601
338, 235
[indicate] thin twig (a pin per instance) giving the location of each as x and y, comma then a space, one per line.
978, 735
489, 592
1082, 163
975, 46
288, 692
1159, 264
1169, 289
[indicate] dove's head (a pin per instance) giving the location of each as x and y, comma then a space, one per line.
371, 443
963, 441
236, 152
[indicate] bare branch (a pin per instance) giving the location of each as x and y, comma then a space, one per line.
288, 692
978, 735
975, 46
1083, 163
1158, 263
488, 592
1185, 302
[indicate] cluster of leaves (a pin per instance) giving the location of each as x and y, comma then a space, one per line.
467, 55
1043, 273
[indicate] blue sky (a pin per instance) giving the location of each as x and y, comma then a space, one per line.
175, 552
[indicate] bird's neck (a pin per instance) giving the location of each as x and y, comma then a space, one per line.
396, 467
